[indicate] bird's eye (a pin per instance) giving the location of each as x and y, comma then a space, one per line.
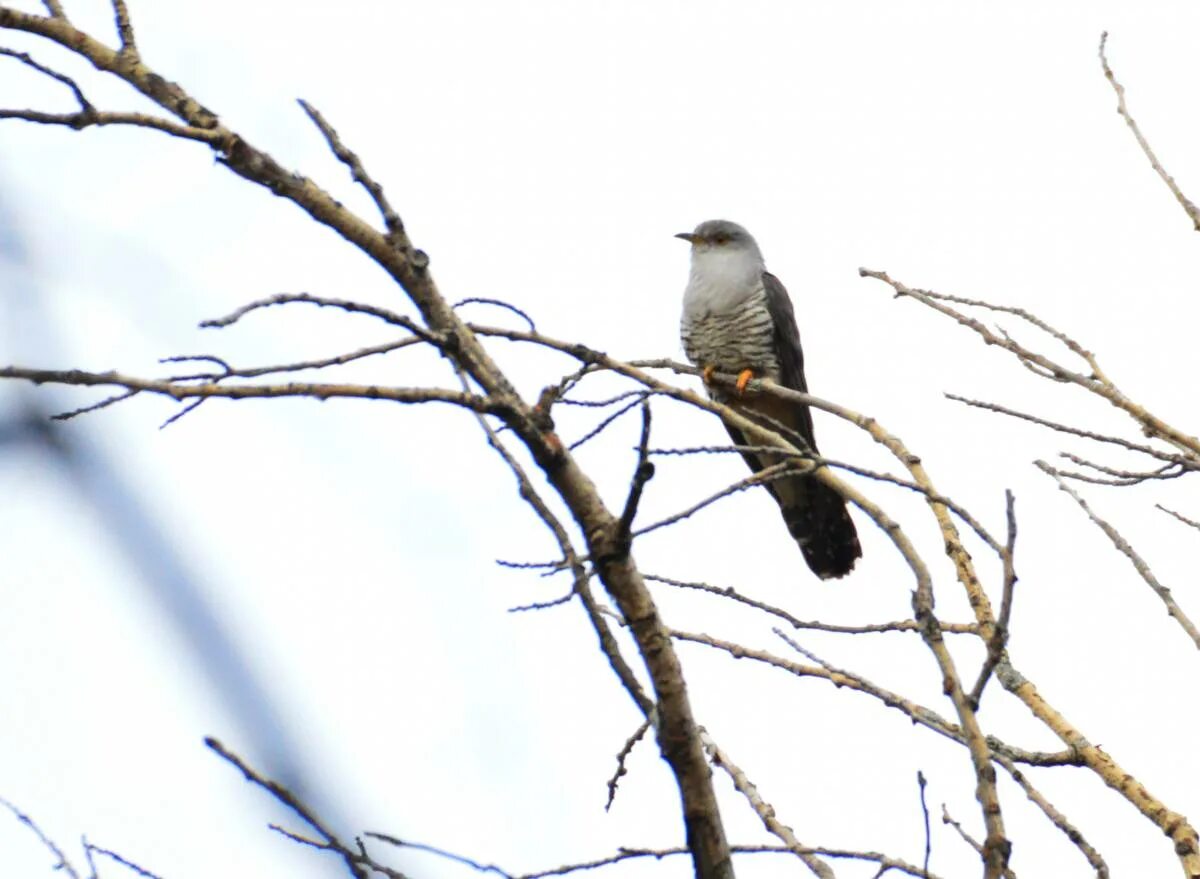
722, 239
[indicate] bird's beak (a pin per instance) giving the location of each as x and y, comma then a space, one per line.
686, 236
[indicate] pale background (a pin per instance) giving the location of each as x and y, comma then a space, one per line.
544, 153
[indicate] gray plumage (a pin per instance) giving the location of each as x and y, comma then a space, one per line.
737, 316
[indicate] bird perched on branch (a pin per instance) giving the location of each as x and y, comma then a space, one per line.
738, 319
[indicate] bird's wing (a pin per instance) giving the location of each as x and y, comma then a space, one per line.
791, 356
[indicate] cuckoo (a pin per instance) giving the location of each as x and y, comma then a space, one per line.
738, 319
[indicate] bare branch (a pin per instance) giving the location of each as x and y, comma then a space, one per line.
123, 861
1075, 431
642, 474
1184, 202
291, 802
957, 509
925, 815
124, 28
85, 106
625, 751
764, 810
440, 852
242, 392
796, 623
93, 407
500, 303
1123, 545
1121, 477
1057, 818
999, 638
384, 314
970, 840
572, 561
780, 470
918, 714
608, 420
391, 220
63, 864
1096, 382
1182, 518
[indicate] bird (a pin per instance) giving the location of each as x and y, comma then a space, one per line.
738, 319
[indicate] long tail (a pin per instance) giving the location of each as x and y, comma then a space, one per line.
817, 518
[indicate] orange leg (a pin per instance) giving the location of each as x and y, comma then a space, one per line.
743, 379
707, 374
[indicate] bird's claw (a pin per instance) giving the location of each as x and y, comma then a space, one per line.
706, 374
743, 379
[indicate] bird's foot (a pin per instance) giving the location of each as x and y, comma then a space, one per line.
706, 374
743, 379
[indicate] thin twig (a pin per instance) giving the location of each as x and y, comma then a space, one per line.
500, 303
769, 474
383, 314
123, 861
184, 410
625, 751
440, 852
999, 639
1184, 202
958, 510
925, 815
290, 801
608, 643
92, 407
318, 391
1074, 431
642, 474
124, 28
1123, 545
63, 864
1057, 818
391, 220
918, 714
609, 419
1182, 518
764, 810
85, 106
796, 623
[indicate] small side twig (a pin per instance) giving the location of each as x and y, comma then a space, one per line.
1182, 518
642, 474
499, 303
764, 810
290, 801
124, 28
1184, 202
85, 106
1124, 547
123, 861
925, 816
999, 639
63, 864
391, 220
625, 751
383, 314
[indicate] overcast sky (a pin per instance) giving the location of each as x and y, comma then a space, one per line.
545, 153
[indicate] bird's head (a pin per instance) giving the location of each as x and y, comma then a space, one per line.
720, 236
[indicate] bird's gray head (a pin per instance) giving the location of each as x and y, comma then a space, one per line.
725, 256
721, 236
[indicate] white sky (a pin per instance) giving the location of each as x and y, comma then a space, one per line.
544, 153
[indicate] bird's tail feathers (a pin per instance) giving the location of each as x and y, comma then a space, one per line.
818, 520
